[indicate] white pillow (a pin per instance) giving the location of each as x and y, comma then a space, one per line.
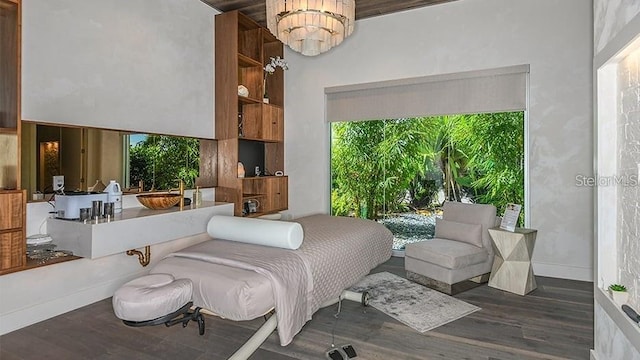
282, 234
463, 232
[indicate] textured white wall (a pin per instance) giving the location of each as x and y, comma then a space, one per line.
142, 65
554, 37
616, 25
610, 17
628, 156
609, 340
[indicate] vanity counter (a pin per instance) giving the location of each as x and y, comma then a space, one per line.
133, 228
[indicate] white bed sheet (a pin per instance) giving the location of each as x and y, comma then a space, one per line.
229, 292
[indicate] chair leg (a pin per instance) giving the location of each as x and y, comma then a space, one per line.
430, 283
481, 279
449, 289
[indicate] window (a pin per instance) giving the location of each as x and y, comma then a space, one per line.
400, 171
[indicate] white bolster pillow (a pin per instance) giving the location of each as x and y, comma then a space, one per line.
282, 234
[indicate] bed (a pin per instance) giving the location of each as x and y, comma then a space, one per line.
241, 281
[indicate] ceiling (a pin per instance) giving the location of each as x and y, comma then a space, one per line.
255, 9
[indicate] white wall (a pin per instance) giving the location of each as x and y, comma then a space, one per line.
616, 34
140, 65
554, 37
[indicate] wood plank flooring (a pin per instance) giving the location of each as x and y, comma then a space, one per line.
554, 321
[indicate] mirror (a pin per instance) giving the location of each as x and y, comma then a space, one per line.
88, 158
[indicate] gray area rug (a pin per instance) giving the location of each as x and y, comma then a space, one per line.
412, 304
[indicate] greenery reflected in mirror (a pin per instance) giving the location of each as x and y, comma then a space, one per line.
88, 158
158, 160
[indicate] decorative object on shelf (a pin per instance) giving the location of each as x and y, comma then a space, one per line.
618, 293
243, 91
240, 170
311, 27
269, 69
240, 125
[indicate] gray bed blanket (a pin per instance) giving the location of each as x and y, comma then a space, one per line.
335, 254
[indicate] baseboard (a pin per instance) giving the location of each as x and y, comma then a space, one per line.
51, 308
563, 271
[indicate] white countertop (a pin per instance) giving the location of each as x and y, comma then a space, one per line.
133, 228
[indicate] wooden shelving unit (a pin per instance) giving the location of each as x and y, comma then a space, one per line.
13, 244
248, 129
10, 59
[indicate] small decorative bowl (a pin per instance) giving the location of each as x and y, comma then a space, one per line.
158, 201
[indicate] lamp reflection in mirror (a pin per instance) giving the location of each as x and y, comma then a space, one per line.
311, 27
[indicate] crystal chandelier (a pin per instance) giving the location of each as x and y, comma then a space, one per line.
311, 27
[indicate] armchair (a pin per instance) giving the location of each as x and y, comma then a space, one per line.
461, 249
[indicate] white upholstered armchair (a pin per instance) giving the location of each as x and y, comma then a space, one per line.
461, 249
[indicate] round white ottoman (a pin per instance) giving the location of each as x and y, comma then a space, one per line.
151, 297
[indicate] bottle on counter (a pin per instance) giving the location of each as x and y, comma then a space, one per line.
114, 195
197, 197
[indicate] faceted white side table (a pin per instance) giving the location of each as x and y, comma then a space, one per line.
512, 270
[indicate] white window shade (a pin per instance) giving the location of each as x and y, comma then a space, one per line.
482, 91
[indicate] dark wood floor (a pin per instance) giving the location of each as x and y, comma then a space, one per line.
553, 322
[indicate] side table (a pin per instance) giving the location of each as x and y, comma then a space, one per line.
512, 270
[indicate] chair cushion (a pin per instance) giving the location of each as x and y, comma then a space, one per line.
472, 214
459, 231
449, 254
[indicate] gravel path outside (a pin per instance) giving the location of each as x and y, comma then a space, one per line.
409, 227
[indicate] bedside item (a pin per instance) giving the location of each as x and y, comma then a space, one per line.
279, 173
512, 270
510, 217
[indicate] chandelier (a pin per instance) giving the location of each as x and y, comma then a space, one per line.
311, 27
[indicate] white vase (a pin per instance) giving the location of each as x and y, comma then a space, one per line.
619, 297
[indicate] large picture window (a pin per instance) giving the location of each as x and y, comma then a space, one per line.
400, 171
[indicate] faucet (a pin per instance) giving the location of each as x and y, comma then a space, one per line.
181, 191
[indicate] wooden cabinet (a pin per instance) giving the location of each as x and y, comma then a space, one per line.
263, 122
278, 193
10, 15
248, 129
13, 247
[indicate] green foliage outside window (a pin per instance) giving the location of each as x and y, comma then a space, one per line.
390, 166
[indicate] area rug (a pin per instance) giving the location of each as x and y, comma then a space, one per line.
412, 304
